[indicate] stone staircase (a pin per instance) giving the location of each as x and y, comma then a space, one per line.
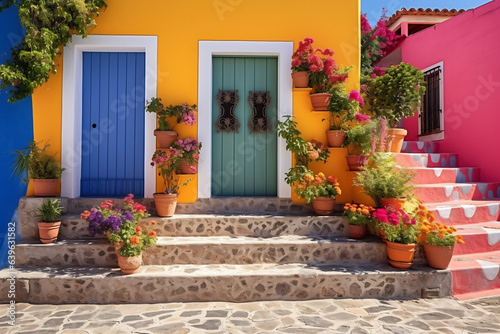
234, 250
458, 199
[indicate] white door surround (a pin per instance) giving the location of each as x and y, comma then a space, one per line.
208, 49
71, 132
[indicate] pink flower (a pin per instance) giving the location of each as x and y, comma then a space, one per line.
355, 96
381, 215
129, 198
373, 75
378, 71
338, 78
196, 156
296, 62
374, 142
192, 169
308, 40
362, 118
393, 219
316, 63
107, 204
365, 25
330, 66
174, 151
383, 134
139, 208
328, 52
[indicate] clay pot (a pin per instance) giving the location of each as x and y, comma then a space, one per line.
300, 79
323, 206
438, 257
381, 233
320, 101
401, 255
45, 187
396, 203
394, 140
48, 232
356, 162
165, 138
357, 232
336, 138
129, 264
184, 167
165, 204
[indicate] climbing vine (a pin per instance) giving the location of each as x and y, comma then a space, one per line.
50, 25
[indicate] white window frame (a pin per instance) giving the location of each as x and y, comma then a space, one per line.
208, 49
440, 135
71, 133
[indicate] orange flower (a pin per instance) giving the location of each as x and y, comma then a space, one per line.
154, 222
85, 215
332, 179
353, 209
441, 236
360, 210
347, 204
366, 212
337, 189
134, 240
138, 230
308, 178
152, 234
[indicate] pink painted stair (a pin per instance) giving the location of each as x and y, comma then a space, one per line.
458, 199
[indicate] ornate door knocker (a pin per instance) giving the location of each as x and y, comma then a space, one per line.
227, 101
259, 122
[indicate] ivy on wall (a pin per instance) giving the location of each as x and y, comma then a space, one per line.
50, 25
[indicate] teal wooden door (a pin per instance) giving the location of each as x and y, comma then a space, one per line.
244, 163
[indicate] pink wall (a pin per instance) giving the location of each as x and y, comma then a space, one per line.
469, 46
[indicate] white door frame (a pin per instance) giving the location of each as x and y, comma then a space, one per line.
440, 135
71, 136
208, 49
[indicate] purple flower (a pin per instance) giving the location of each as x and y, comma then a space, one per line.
126, 215
112, 223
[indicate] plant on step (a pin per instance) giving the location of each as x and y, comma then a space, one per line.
304, 152
398, 93
358, 214
49, 24
167, 162
382, 179
169, 116
399, 227
364, 135
312, 186
133, 240
431, 232
137, 210
36, 163
50, 211
342, 107
189, 149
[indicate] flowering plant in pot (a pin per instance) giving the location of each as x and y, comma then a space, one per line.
167, 163
189, 149
168, 117
50, 220
395, 95
401, 232
361, 140
300, 63
319, 189
438, 240
358, 216
38, 165
384, 182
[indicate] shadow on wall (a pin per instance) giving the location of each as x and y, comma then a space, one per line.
16, 131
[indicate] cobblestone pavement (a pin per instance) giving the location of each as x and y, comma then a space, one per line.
317, 316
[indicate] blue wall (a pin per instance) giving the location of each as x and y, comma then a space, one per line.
16, 130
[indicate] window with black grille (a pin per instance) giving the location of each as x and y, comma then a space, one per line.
430, 117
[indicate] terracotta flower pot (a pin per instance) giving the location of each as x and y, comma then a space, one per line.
184, 167
381, 233
438, 257
394, 140
129, 264
45, 187
323, 206
320, 101
336, 138
357, 232
165, 138
401, 255
300, 79
165, 204
108, 235
48, 232
396, 203
356, 162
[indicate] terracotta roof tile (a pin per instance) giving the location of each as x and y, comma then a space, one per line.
421, 11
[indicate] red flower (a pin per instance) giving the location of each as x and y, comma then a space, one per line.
138, 230
152, 234
85, 215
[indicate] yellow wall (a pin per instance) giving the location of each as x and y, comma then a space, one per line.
179, 26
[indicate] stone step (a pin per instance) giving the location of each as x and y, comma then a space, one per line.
475, 273
440, 160
479, 238
211, 250
465, 212
425, 175
231, 283
73, 228
420, 147
442, 192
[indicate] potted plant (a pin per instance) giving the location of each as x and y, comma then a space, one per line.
189, 149
165, 133
358, 216
319, 189
300, 63
341, 108
39, 166
50, 220
395, 95
360, 141
324, 75
401, 233
383, 182
438, 240
168, 164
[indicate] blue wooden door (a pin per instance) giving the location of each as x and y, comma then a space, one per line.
113, 124
244, 163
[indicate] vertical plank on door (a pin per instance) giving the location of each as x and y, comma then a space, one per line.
216, 137
271, 139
